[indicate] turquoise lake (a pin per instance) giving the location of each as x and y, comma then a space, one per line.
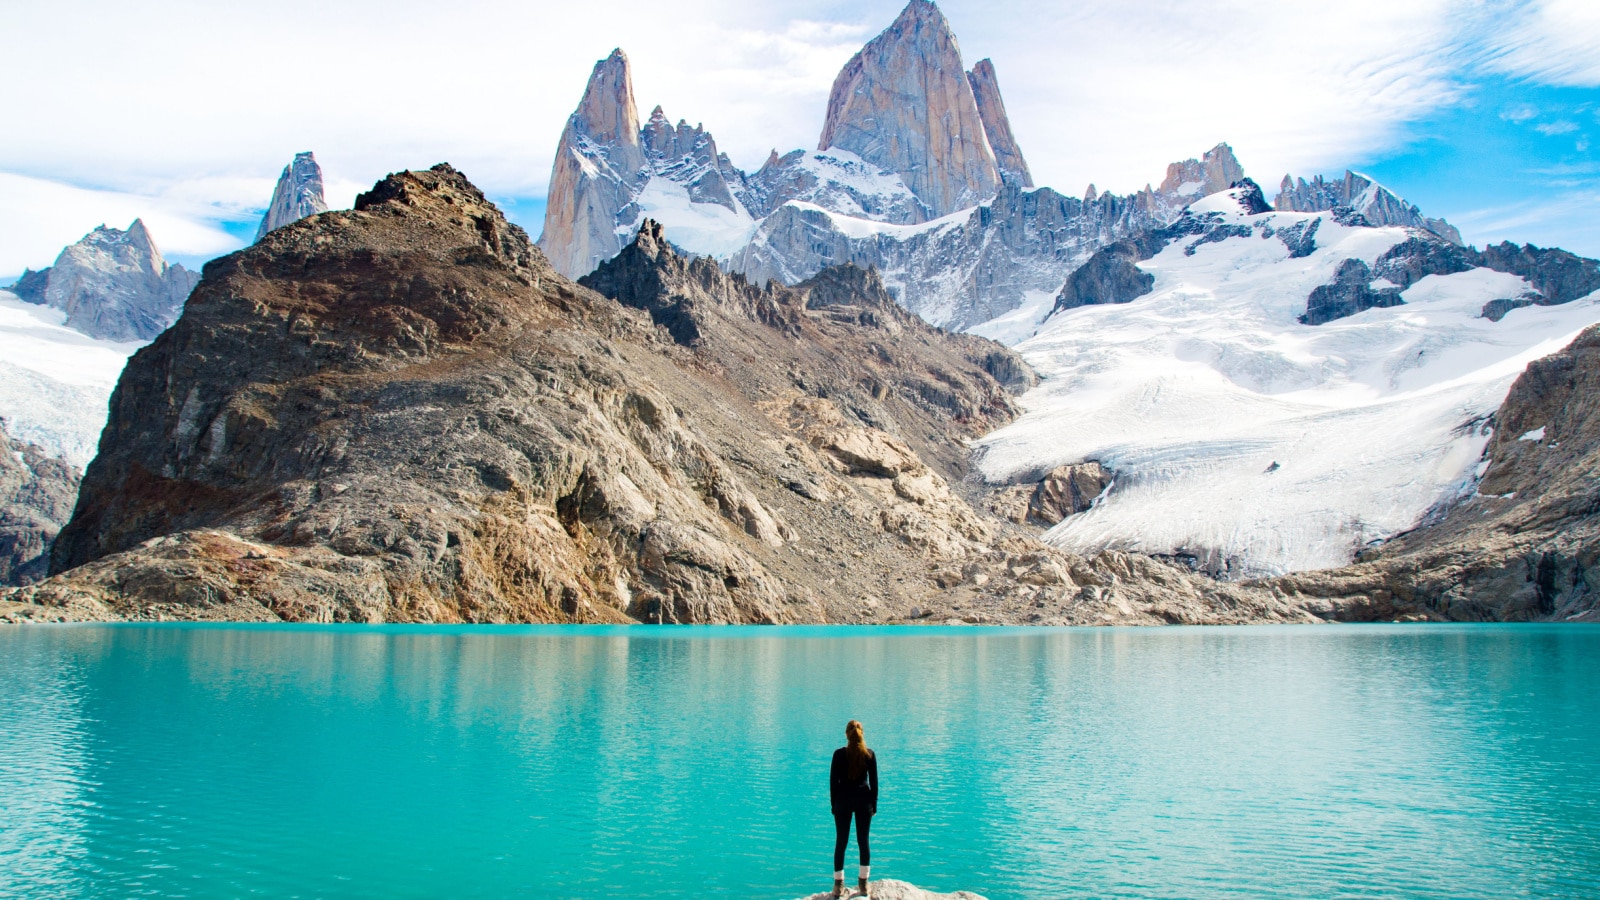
1323, 761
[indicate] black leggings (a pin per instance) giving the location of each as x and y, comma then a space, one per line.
841, 824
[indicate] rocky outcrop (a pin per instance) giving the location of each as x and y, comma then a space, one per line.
1525, 547
889, 889
1350, 292
904, 104
997, 125
1362, 196
113, 285
298, 194
36, 497
1555, 275
1111, 275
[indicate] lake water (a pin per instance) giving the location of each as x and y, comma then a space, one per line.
1382, 761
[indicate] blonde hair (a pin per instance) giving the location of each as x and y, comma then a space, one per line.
855, 749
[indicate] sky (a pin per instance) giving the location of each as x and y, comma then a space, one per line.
183, 112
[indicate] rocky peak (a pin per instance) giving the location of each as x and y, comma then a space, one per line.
607, 114
297, 195
112, 284
1217, 170
997, 125
904, 104
1361, 196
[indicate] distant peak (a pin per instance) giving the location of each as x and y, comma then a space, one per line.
607, 113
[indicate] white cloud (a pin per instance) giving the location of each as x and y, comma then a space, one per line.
1520, 114
38, 217
1551, 129
1551, 41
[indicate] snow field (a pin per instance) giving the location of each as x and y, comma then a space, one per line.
1254, 443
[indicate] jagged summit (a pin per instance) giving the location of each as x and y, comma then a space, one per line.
1217, 170
298, 194
1362, 195
112, 284
997, 125
607, 113
904, 104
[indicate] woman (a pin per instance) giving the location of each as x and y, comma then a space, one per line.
853, 790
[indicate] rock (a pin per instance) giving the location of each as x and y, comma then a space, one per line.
37, 493
599, 168
1556, 275
1351, 292
1068, 490
997, 125
112, 285
1111, 275
1192, 179
889, 889
298, 194
904, 104
1361, 196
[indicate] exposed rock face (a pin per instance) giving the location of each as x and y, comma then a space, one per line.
599, 168
904, 104
1111, 275
1350, 293
1526, 547
1192, 179
1068, 490
36, 497
113, 285
297, 195
997, 125
402, 413
1362, 196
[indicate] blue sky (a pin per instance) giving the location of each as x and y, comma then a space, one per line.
183, 112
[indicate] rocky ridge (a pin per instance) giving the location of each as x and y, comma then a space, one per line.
1363, 197
298, 194
112, 284
403, 413
36, 496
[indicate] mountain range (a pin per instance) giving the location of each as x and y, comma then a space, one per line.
718, 396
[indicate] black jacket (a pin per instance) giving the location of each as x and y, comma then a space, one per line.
859, 794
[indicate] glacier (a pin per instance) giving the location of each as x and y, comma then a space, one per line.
1247, 443
55, 382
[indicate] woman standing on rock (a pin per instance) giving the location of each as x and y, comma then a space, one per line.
853, 791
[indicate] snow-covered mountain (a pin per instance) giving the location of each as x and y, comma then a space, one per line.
1363, 196
112, 285
298, 194
917, 175
1247, 440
